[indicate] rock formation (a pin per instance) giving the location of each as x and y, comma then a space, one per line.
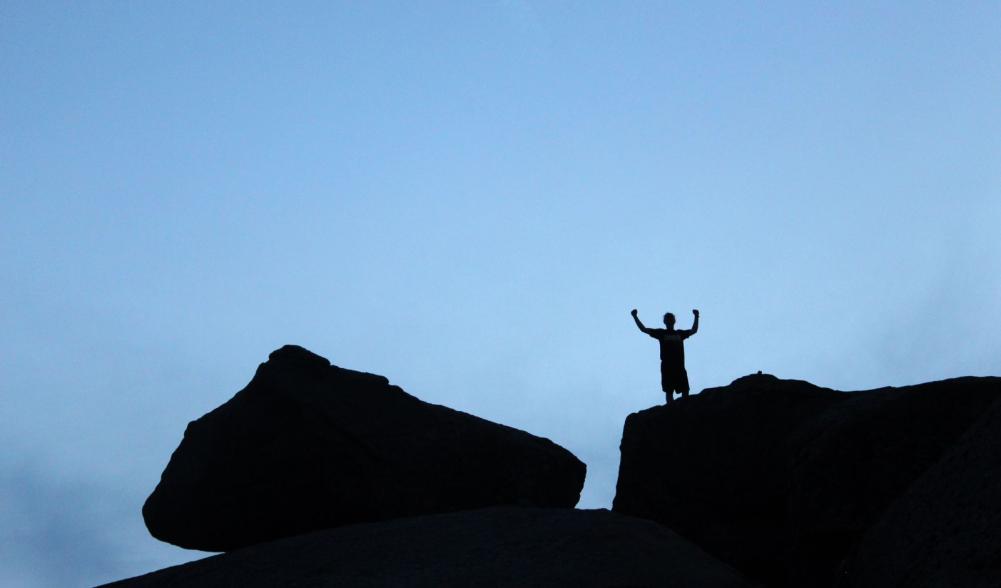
307, 446
314, 475
946, 529
782, 479
501, 547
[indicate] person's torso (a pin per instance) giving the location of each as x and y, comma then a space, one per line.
672, 347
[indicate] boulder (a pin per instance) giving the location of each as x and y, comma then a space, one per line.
500, 547
307, 445
946, 529
781, 478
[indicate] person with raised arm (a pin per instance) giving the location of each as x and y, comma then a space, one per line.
673, 376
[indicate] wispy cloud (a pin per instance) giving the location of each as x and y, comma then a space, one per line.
53, 533
60, 531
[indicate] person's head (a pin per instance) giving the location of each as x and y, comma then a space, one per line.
669, 320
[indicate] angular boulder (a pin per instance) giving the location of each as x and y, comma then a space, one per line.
781, 478
946, 529
307, 445
499, 547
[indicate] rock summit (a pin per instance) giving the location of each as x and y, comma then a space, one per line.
797, 485
307, 445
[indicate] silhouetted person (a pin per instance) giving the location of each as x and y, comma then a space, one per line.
673, 377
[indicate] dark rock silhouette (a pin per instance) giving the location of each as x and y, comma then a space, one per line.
946, 529
500, 547
781, 478
307, 445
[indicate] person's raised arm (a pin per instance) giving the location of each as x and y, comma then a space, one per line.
639, 323
695, 323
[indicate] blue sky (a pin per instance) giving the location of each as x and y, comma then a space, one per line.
468, 198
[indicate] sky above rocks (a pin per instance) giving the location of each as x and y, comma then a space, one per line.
467, 198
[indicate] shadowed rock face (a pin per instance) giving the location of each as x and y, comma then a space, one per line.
946, 529
781, 478
308, 446
503, 546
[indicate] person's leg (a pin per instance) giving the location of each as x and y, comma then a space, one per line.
665, 385
683, 384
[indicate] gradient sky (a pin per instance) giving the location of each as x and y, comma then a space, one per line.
468, 198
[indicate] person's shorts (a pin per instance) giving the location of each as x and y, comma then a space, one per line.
674, 380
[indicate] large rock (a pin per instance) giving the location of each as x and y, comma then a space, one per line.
946, 529
307, 445
499, 547
781, 478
